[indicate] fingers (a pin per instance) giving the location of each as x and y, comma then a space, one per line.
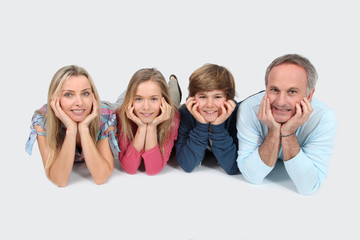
165, 113
262, 107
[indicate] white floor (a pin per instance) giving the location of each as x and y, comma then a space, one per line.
112, 40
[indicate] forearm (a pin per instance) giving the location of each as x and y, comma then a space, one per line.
151, 137
60, 170
98, 166
129, 158
269, 149
304, 174
224, 148
290, 147
139, 138
190, 148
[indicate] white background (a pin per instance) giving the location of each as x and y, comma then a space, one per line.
113, 39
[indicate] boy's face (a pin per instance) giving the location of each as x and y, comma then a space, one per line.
210, 103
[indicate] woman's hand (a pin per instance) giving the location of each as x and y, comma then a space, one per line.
60, 114
94, 113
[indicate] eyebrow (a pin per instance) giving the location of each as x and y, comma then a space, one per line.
150, 96
67, 90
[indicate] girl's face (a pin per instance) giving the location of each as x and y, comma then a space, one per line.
210, 103
76, 97
147, 101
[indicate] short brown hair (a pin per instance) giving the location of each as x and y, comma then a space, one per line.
212, 77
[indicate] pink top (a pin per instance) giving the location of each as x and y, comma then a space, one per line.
154, 161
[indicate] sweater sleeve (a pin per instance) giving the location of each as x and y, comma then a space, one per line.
250, 138
154, 160
308, 169
191, 142
224, 148
38, 119
129, 158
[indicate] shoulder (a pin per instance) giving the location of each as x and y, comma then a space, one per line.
254, 99
107, 120
322, 114
40, 115
107, 113
250, 105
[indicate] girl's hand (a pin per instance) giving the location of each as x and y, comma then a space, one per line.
165, 113
131, 115
192, 106
60, 114
227, 109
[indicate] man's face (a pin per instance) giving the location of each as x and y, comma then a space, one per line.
286, 86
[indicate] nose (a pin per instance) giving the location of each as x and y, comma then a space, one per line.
146, 105
209, 102
78, 101
281, 99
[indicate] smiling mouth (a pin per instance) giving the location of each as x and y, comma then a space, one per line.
146, 114
282, 110
210, 112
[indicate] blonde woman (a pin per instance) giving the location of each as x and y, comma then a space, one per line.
72, 126
148, 123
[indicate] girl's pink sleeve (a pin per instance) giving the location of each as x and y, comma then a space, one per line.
129, 157
154, 161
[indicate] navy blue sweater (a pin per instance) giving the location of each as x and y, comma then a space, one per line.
193, 139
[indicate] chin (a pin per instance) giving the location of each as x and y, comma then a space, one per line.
282, 119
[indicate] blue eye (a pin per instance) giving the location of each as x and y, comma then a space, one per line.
86, 93
67, 95
137, 99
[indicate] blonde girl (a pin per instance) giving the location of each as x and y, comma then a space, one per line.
148, 123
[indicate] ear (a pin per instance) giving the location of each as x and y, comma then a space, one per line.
311, 94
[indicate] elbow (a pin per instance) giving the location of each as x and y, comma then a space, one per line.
102, 178
152, 172
100, 181
253, 179
307, 190
187, 168
232, 171
60, 183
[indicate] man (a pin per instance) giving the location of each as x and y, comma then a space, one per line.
286, 123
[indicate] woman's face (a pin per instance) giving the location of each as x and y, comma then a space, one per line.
210, 103
147, 101
76, 97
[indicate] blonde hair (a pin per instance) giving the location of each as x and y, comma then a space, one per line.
211, 77
54, 135
143, 75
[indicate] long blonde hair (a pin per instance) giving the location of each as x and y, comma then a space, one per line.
163, 129
54, 135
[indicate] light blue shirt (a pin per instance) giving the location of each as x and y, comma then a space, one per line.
308, 169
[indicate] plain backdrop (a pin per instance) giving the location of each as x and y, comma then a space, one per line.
113, 39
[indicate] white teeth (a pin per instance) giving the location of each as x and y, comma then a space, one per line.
210, 112
78, 111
